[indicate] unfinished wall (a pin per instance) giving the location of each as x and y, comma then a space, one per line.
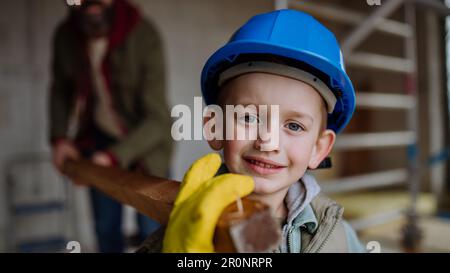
191, 30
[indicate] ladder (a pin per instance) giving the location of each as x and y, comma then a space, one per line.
37, 197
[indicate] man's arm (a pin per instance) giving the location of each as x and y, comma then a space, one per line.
60, 90
60, 103
155, 125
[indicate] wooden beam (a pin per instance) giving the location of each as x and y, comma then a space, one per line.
237, 229
149, 195
347, 16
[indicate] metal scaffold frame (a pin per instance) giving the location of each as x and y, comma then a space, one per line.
364, 25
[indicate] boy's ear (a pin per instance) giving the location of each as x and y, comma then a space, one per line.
322, 148
214, 141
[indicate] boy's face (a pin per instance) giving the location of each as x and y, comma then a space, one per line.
302, 141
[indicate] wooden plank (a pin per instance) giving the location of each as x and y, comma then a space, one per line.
365, 181
154, 197
150, 195
384, 101
380, 62
359, 141
347, 16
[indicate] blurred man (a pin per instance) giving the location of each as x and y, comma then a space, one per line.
108, 102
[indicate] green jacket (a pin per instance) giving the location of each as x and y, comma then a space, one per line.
135, 74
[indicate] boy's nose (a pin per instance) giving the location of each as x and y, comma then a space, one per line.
267, 143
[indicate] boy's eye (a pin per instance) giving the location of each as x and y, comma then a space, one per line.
294, 127
250, 119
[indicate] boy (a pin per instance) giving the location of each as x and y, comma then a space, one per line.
283, 58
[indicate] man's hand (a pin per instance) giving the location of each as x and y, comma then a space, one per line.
199, 204
62, 151
102, 159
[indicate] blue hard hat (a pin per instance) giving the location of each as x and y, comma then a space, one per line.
299, 39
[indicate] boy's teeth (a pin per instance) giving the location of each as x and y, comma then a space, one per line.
263, 165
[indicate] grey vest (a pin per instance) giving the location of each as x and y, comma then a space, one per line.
330, 235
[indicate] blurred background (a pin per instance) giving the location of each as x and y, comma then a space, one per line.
390, 166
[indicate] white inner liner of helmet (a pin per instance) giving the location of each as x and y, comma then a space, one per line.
282, 70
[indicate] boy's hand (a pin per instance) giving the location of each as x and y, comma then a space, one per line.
199, 204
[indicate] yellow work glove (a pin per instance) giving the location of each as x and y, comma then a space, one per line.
199, 204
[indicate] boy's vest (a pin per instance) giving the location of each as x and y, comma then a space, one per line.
330, 236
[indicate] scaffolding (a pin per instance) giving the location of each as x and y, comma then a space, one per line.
363, 26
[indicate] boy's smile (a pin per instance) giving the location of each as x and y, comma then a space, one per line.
301, 117
263, 166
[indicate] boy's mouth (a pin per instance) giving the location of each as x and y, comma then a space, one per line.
263, 166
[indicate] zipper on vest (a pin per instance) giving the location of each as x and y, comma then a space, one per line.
328, 236
290, 240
